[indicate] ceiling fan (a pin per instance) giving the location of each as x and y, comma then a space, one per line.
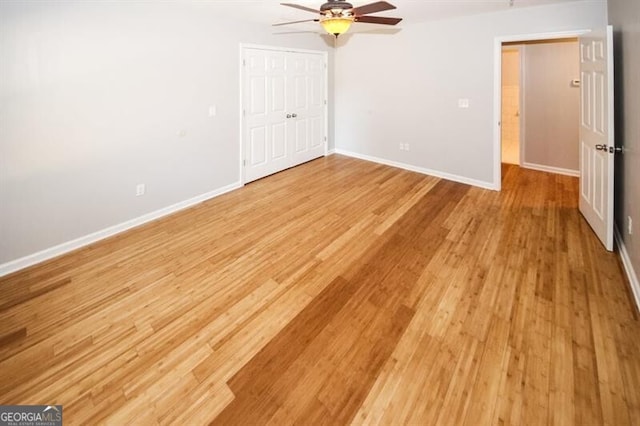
337, 16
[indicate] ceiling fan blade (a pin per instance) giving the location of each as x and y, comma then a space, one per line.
378, 20
297, 6
379, 6
295, 22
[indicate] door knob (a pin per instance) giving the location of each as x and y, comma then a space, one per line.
288, 115
294, 115
601, 147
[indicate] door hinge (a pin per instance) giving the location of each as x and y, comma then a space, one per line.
325, 138
244, 62
325, 102
244, 163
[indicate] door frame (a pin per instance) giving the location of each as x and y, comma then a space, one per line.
497, 89
242, 47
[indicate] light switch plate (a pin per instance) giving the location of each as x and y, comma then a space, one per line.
463, 103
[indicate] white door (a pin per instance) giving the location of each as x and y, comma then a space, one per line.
284, 110
266, 147
307, 104
596, 132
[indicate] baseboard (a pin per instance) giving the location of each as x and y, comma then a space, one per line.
41, 256
422, 170
330, 152
551, 169
628, 266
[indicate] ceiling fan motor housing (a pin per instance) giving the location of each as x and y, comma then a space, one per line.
336, 4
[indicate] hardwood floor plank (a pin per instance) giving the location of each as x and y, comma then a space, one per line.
482, 409
336, 292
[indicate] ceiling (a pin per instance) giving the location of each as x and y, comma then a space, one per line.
413, 11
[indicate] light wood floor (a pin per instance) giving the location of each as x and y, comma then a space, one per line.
337, 292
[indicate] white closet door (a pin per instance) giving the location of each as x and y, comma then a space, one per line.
266, 147
284, 110
307, 92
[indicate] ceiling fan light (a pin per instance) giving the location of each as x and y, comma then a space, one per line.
337, 26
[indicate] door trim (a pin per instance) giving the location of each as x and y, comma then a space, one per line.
497, 89
242, 47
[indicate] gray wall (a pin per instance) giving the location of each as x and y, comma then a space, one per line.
96, 97
551, 105
624, 15
404, 87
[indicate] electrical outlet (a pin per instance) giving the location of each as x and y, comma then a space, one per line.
406, 147
213, 111
463, 103
140, 189
629, 225
401, 147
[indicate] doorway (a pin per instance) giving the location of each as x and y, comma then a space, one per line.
511, 101
509, 41
595, 117
541, 104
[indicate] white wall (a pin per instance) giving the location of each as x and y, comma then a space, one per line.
624, 15
551, 105
93, 98
404, 88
